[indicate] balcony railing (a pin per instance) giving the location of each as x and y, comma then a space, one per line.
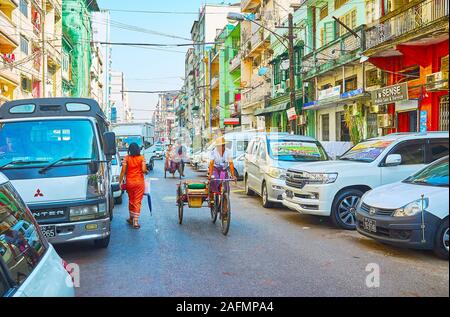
334, 54
413, 19
235, 62
258, 93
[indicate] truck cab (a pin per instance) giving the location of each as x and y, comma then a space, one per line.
57, 153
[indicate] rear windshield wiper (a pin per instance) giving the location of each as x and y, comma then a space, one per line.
65, 159
21, 162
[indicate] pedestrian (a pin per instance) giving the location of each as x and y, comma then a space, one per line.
134, 168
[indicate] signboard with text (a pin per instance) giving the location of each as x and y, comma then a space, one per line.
292, 114
330, 93
390, 94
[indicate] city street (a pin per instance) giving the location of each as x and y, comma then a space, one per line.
268, 252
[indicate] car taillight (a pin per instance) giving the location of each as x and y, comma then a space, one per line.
66, 267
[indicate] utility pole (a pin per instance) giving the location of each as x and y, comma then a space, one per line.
292, 67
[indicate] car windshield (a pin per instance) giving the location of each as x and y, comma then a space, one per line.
123, 142
435, 174
38, 143
296, 151
367, 151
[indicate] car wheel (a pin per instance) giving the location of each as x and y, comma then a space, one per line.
441, 243
236, 173
248, 191
343, 213
118, 200
102, 243
265, 197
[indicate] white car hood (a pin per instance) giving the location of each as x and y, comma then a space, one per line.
397, 195
327, 166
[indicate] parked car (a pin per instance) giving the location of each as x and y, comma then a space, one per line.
393, 213
205, 156
158, 151
239, 166
334, 188
268, 157
116, 167
29, 265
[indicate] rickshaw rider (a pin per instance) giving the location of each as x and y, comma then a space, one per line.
221, 163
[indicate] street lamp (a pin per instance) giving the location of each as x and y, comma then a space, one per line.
238, 17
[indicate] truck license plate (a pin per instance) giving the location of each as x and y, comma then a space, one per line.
48, 231
370, 225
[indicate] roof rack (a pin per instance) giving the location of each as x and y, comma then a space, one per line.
52, 107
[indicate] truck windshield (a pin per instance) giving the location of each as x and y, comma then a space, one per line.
123, 142
366, 151
296, 151
433, 175
38, 143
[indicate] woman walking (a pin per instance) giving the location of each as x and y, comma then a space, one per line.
134, 168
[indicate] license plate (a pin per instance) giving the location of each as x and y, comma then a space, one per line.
48, 231
370, 225
289, 194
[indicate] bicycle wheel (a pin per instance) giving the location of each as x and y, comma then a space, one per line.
215, 209
180, 205
225, 213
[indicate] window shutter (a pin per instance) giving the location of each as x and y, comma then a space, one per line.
329, 31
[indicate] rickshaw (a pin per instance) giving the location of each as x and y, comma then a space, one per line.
196, 194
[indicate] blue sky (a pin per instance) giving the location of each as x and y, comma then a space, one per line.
147, 69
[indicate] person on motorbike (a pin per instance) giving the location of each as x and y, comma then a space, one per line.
220, 166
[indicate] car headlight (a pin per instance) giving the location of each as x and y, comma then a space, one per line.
323, 178
91, 212
276, 172
412, 208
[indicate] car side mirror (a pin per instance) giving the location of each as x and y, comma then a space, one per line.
109, 144
393, 160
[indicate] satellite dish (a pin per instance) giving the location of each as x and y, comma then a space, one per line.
262, 71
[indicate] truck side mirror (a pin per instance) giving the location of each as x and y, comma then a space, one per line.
393, 160
109, 146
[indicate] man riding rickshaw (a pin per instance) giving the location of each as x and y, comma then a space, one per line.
175, 158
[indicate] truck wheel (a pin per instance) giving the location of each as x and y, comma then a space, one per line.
343, 211
118, 200
265, 197
441, 242
102, 243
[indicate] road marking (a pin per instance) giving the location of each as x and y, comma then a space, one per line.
169, 198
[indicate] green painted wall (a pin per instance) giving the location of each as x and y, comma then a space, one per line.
76, 25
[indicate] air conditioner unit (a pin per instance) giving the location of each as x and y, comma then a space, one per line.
437, 81
385, 121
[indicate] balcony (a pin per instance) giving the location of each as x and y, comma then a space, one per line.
248, 6
8, 37
334, 54
404, 24
259, 91
235, 63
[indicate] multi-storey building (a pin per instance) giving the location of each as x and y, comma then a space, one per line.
30, 33
97, 67
77, 51
257, 56
120, 108
409, 44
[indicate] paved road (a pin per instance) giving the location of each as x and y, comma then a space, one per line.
272, 252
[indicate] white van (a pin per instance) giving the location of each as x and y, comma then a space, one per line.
29, 265
57, 153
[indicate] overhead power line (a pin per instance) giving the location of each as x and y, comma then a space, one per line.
157, 44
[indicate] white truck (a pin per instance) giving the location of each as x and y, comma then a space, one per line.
141, 133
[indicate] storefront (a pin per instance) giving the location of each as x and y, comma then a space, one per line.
424, 71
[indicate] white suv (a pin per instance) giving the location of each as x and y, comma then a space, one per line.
334, 188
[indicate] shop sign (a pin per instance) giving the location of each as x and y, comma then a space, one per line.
407, 105
390, 94
330, 93
292, 114
231, 121
423, 121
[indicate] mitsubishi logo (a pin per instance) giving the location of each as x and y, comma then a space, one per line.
372, 211
39, 193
